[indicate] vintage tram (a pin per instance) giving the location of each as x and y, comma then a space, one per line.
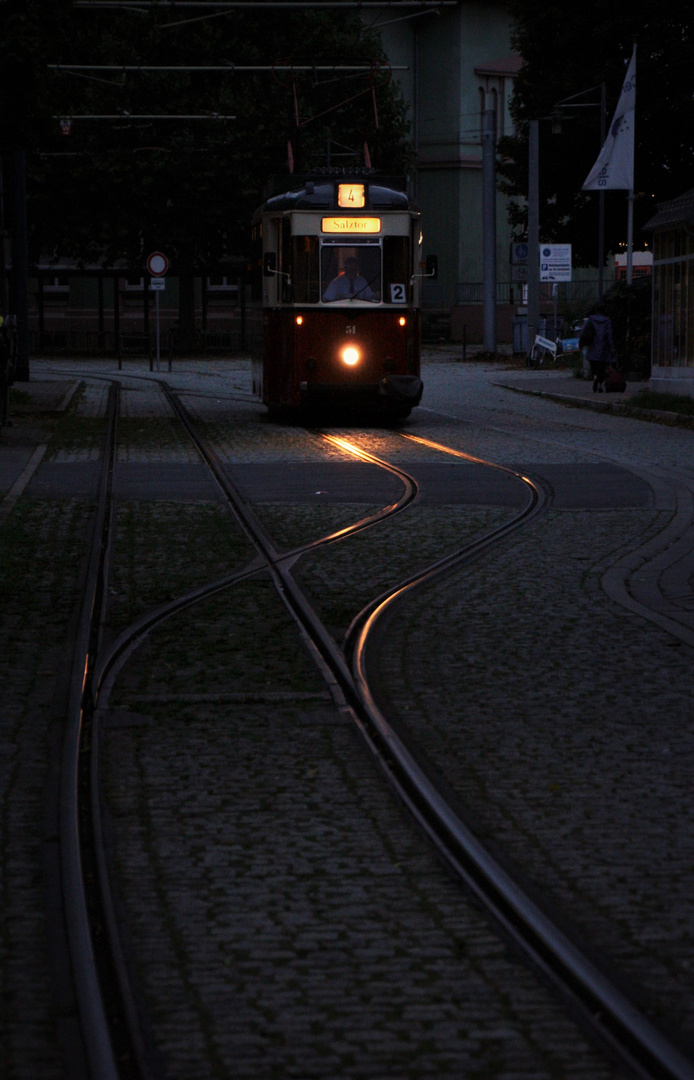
338, 274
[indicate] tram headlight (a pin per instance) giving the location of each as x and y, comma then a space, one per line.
350, 355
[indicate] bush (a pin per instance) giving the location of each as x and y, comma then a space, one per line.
629, 307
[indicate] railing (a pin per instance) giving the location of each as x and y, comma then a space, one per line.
73, 342
132, 343
575, 293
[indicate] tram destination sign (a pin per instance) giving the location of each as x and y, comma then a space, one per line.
351, 224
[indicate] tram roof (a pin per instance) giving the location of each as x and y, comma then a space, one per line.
319, 192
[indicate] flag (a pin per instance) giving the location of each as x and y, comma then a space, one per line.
614, 168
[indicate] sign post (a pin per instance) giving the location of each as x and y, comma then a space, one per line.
157, 264
555, 266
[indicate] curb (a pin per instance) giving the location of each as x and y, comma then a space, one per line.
7, 503
617, 408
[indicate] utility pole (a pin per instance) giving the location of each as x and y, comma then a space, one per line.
489, 227
533, 234
601, 197
19, 282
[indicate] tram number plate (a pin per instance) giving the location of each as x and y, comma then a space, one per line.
397, 294
350, 329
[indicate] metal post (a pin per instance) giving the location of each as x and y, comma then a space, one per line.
156, 306
116, 321
20, 260
630, 236
601, 197
555, 303
533, 234
42, 311
100, 287
145, 305
489, 227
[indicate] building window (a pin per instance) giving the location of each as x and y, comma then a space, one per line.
58, 285
220, 284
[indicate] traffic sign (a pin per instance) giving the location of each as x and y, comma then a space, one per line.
157, 264
519, 254
555, 262
158, 283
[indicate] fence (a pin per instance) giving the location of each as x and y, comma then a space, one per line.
124, 344
575, 293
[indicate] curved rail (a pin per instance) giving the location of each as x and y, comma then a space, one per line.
613, 1018
94, 1025
617, 1022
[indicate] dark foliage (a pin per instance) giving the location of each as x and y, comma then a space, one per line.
125, 187
629, 307
568, 49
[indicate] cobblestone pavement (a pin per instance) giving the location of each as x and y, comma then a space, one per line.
284, 918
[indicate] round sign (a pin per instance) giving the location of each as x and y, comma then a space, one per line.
157, 264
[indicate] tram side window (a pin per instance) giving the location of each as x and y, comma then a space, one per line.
351, 273
286, 266
306, 278
257, 262
396, 269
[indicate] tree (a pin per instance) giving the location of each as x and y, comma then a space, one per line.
119, 189
568, 49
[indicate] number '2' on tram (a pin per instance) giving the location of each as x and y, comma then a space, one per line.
338, 269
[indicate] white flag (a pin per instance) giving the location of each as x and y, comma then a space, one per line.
615, 165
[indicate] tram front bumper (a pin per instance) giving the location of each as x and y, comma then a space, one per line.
405, 388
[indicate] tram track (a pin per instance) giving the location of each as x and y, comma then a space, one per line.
618, 1023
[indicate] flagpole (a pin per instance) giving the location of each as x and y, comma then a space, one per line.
630, 236
614, 168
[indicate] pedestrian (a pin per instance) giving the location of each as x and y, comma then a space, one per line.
596, 339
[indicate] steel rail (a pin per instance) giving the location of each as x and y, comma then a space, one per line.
94, 1025
534, 504
279, 563
611, 1015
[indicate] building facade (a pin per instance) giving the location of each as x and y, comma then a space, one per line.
459, 64
672, 349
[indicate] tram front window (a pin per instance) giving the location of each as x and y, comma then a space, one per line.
351, 273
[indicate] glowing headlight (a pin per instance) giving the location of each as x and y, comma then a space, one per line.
350, 355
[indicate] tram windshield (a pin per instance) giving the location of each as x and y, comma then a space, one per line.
376, 272
351, 272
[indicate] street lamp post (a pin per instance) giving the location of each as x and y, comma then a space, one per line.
489, 227
533, 233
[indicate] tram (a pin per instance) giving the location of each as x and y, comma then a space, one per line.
338, 270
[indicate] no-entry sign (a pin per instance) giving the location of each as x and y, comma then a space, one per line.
157, 264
